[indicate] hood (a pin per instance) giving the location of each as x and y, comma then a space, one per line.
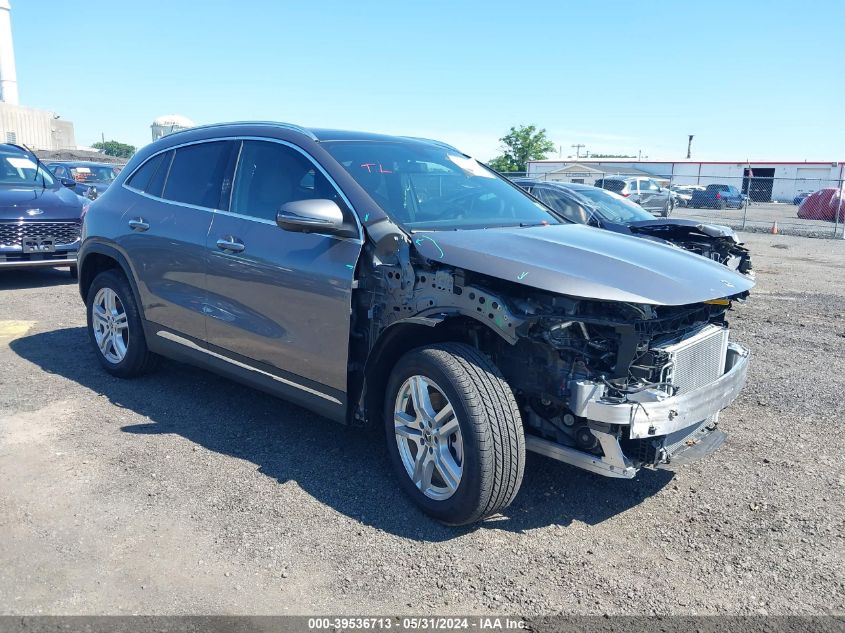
581, 261
680, 225
53, 203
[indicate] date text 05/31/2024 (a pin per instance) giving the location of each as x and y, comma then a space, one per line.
479, 623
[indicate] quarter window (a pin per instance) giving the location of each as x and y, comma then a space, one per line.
196, 174
271, 174
141, 178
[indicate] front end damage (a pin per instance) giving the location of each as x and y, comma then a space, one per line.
607, 386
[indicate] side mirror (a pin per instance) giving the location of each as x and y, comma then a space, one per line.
314, 216
70, 183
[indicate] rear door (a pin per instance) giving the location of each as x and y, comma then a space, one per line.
280, 301
167, 228
651, 196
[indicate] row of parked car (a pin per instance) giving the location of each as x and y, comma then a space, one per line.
42, 205
396, 281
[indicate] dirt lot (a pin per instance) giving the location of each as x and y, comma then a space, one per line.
184, 493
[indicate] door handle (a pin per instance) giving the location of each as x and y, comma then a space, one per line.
139, 225
230, 244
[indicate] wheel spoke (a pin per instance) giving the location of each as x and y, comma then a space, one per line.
421, 397
405, 425
423, 469
449, 470
105, 343
109, 299
119, 346
121, 321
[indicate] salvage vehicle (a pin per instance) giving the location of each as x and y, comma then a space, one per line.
717, 197
91, 179
598, 207
397, 281
40, 217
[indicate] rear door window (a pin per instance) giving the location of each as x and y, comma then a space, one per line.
196, 174
613, 185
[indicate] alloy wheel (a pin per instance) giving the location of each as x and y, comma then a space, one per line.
429, 438
110, 324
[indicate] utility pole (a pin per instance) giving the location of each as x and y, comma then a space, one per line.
578, 147
689, 146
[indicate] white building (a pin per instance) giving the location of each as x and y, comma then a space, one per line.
777, 181
38, 129
170, 123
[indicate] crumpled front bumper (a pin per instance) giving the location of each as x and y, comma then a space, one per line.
651, 413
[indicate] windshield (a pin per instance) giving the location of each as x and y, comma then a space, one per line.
20, 169
425, 187
613, 207
93, 173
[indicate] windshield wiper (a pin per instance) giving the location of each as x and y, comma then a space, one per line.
39, 167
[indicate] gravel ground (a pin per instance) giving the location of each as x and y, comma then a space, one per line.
184, 493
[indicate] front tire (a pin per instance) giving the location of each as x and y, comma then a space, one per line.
115, 327
454, 433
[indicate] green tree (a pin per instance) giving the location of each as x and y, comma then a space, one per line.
521, 145
114, 148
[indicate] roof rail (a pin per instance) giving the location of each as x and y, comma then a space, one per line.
288, 126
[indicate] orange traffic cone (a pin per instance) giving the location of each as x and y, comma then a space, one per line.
774, 230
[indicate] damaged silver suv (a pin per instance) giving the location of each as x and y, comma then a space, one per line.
398, 282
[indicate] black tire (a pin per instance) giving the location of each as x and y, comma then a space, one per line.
721, 205
491, 429
138, 359
667, 210
74, 272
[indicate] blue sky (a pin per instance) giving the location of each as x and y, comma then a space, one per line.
753, 79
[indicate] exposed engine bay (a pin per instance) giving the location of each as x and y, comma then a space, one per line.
564, 357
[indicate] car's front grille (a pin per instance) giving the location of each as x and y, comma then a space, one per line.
697, 360
13, 233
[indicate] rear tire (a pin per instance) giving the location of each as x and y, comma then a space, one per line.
115, 327
460, 454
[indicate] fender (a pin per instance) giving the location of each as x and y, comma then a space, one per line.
93, 245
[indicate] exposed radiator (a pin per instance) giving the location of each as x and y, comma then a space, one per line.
697, 360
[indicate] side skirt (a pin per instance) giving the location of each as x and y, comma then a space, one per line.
317, 398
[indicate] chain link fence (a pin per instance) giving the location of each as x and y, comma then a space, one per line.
755, 201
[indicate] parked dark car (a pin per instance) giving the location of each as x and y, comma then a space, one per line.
797, 200
40, 216
397, 281
717, 197
91, 179
597, 207
646, 192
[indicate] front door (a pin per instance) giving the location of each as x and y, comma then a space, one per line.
280, 300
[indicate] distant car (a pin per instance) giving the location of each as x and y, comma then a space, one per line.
717, 197
644, 191
40, 215
797, 200
823, 205
604, 209
92, 179
683, 193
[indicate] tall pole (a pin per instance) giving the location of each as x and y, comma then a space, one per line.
689, 146
578, 147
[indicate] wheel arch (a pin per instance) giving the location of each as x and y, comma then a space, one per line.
97, 257
418, 331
